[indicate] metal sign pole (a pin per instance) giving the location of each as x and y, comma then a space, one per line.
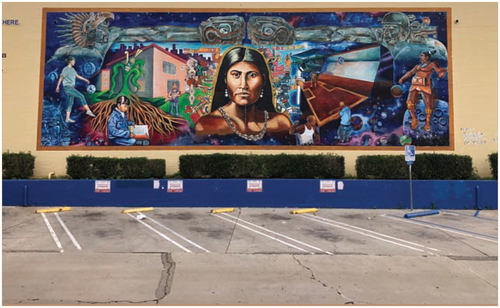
410, 158
411, 191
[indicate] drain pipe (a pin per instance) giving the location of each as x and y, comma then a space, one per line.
477, 197
25, 195
51, 174
478, 208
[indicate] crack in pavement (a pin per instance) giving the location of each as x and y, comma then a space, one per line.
3, 230
310, 270
29, 300
349, 302
313, 277
162, 290
479, 276
167, 277
460, 240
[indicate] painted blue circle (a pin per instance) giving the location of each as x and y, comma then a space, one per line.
89, 68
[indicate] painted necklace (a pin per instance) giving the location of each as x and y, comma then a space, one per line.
246, 136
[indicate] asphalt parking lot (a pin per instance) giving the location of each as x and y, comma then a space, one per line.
250, 256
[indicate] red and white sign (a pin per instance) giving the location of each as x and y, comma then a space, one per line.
174, 186
327, 186
102, 186
254, 185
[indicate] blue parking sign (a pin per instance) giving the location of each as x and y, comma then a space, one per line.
410, 154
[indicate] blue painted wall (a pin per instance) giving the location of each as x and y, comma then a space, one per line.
382, 194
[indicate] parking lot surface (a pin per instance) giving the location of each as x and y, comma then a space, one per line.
249, 256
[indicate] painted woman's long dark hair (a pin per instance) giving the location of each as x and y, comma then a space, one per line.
236, 55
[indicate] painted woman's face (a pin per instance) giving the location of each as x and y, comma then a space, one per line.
423, 58
244, 83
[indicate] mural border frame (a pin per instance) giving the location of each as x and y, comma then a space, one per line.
46, 10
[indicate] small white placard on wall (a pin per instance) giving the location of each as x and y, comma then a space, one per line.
156, 184
254, 185
327, 186
175, 186
340, 185
102, 186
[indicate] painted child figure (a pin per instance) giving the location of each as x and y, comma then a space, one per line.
68, 80
119, 132
173, 96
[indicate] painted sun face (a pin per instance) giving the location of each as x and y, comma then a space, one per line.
244, 83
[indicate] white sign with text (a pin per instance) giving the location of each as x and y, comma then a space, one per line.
254, 186
175, 186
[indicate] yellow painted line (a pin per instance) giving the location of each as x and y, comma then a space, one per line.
144, 209
222, 210
302, 211
53, 210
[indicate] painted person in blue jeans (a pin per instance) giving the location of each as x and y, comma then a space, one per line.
345, 130
118, 124
68, 79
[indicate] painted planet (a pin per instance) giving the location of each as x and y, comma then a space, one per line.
89, 68
53, 76
356, 122
396, 91
405, 140
91, 88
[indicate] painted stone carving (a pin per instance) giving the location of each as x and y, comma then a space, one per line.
270, 30
222, 30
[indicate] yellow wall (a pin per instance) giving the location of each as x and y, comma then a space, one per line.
474, 47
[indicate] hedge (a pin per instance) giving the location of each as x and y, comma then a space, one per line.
223, 166
425, 167
17, 165
89, 167
493, 158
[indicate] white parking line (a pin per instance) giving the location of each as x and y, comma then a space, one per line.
443, 229
362, 233
469, 215
172, 231
258, 232
370, 231
287, 237
54, 236
68, 232
451, 213
160, 234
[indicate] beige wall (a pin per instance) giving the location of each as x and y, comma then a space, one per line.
474, 49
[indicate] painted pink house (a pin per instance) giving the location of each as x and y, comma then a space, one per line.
162, 69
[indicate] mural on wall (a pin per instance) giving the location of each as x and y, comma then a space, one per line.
348, 79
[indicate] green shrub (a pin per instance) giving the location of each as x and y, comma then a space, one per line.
493, 158
17, 165
89, 167
78, 167
388, 167
425, 167
105, 168
443, 167
304, 166
156, 168
221, 166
